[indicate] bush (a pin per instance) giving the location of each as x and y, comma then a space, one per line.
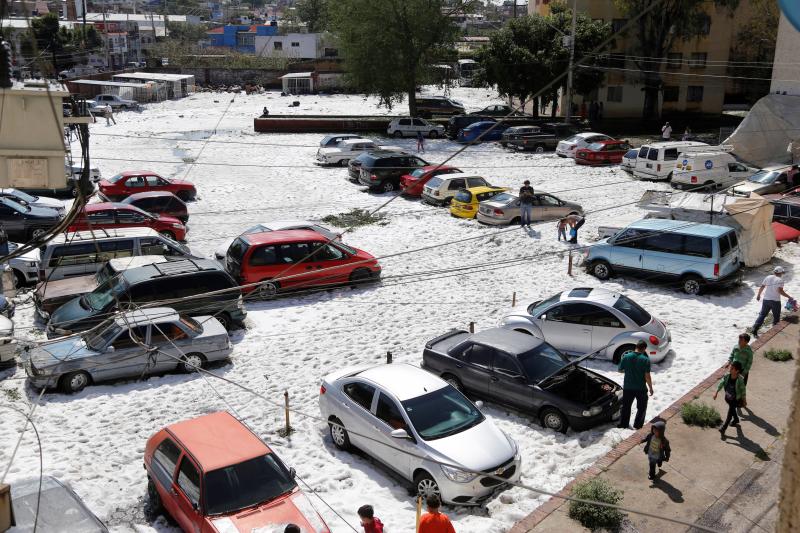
700, 414
595, 516
778, 355
352, 219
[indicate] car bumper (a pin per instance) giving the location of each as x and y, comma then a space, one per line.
462, 213
593, 163
492, 221
369, 183
431, 200
478, 491
733, 278
582, 423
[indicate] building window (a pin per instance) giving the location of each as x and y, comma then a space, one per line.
618, 24
295, 44
674, 61
698, 60
277, 45
614, 93
671, 93
705, 27
331, 52
694, 93
245, 39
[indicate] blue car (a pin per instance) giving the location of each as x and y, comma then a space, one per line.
473, 131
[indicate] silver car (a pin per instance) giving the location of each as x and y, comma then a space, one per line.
109, 351
585, 320
504, 209
391, 409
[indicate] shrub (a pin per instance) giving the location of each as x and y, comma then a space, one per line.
778, 355
700, 414
352, 219
595, 516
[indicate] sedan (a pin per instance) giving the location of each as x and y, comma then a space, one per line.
23, 223
159, 203
110, 215
586, 320
526, 373
123, 185
413, 183
59, 508
602, 153
135, 343
30, 200
504, 209
769, 180
471, 133
568, 147
387, 410
498, 110
515, 133
278, 225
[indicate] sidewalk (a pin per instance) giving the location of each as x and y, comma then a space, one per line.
729, 485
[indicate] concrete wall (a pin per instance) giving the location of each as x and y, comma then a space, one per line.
222, 76
786, 70
292, 45
789, 501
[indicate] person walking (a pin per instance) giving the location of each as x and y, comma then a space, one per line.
420, 142
369, 521
562, 229
687, 134
666, 132
525, 204
636, 366
656, 446
433, 521
109, 114
743, 353
576, 221
735, 395
772, 290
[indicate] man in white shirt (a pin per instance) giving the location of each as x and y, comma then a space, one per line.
666, 132
772, 290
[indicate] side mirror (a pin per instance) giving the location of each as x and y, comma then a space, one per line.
479, 404
543, 317
400, 434
292, 473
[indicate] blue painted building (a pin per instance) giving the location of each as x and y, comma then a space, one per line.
241, 38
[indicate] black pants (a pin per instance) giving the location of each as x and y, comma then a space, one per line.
628, 395
732, 415
653, 463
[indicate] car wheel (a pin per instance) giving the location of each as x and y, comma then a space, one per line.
167, 234
267, 290
74, 382
515, 221
454, 381
433, 134
553, 419
387, 186
709, 186
154, 504
539, 149
425, 485
601, 269
184, 195
339, 434
398, 134
38, 234
75, 190
192, 362
669, 176
19, 278
692, 285
343, 162
360, 275
621, 351
225, 320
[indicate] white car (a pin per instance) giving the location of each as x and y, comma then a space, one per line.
75, 171
708, 170
277, 225
115, 101
629, 160
440, 190
409, 127
386, 410
32, 200
332, 140
568, 147
348, 149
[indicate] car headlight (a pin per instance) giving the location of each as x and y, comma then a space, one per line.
176, 225
596, 410
459, 476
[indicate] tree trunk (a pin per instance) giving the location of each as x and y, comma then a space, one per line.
535, 107
652, 86
412, 100
555, 104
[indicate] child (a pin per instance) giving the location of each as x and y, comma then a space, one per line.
744, 354
657, 447
735, 395
562, 229
371, 524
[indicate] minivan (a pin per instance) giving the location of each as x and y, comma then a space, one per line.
694, 255
709, 170
656, 161
182, 285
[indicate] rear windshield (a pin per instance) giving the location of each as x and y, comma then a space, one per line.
632, 310
464, 196
417, 173
595, 147
727, 243
504, 197
631, 154
116, 178
434, 182
237, 250
573, 139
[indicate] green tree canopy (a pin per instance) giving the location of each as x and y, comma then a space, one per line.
314, 13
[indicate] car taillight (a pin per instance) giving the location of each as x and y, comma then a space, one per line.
694, 179
499, 212
436, 193
654, 340
716, 269
466, 207
322, 389
373, 177
658, 167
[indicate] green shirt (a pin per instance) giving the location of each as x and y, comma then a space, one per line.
635, 365
741, 388
744, 356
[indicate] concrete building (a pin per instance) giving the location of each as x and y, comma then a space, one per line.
296, 46
786, 66
240, 37
693, 73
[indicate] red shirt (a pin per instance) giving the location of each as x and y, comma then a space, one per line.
375, 527
435, 523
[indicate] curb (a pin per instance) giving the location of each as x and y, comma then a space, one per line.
604, 462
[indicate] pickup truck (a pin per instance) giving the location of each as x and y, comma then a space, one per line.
115, 101
536, 138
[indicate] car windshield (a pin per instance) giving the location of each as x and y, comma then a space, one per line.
434, 182
192, 324
25, 197
103, 295
595, 147
632, 310
117, 178
464, 196
246, 484
765, 177
539, 307
14, 205
105, 273
237, 250
258, 228
97, 338
441, 413
349, 249
542, 361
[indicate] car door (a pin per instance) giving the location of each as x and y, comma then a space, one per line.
123, 357
168, 343
126, 218
163, 467
550, 207
328, 264
186, 491
604, 324
562, 326
474, 366
663, 254
508, 384
626, 250
419, 125
453, 185
76, 259
388, 416
155, 183
404, 126
737, 172
12, 221
133, 185
356, 412
476, 182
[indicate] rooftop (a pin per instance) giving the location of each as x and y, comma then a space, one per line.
153, 76
680, 226
403, 380
147, 316
283, 236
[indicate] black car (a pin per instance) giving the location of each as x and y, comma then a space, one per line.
459, 122
159, 203
499, 110
524, 372
354, 166
545, 139
428, 106
26, 222
518, 132
382, 172
787, 211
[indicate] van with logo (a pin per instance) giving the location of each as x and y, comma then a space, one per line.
692, 255
708, 171
657, 161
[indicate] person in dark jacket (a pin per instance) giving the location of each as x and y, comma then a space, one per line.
526, 196
657, 446
370, 522
735, 395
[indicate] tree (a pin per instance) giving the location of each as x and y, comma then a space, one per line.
388, 45
314, 13
47, 37
658, 30
753, 50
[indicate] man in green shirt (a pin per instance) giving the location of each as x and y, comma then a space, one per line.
636, 366
744, 354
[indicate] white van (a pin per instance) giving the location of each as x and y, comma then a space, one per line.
708, 171
656, 161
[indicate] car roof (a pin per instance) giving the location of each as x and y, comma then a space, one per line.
429, 168
586, 134
139, 173
610, 141
283, 236
276, 225
506, 340
124, 263
481, 123
678, 144
347, 142
710, 153
777, 168
457, 175
102, 234
590, 294
147, 316
218, 440
403, 380
146, 194
483, 188
89, 208
680, 226
170, 268
794, 200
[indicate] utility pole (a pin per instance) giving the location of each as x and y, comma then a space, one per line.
568, 113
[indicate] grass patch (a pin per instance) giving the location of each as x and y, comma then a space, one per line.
595, 516
778, 355
700, 414
354, 218
12, 394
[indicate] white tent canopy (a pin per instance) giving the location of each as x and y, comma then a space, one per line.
770, 133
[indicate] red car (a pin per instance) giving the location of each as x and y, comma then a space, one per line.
602, 153
110, 215
412, 184
132, 181
299, 259
212, 474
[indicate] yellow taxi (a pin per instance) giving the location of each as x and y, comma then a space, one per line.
465, 202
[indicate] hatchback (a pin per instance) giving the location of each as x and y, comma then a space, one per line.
602, 153
133, 181
277, 225
459, 122
568, 147
504, 209
159, 203
212, 474
480, 132
465, 202
584, 320
410, 127
59, 508
413, 183
440, 190
387, 410
112, 215
628, 162
273, 261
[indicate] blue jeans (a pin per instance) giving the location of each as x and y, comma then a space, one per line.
525, 212
628, 395
766, 306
